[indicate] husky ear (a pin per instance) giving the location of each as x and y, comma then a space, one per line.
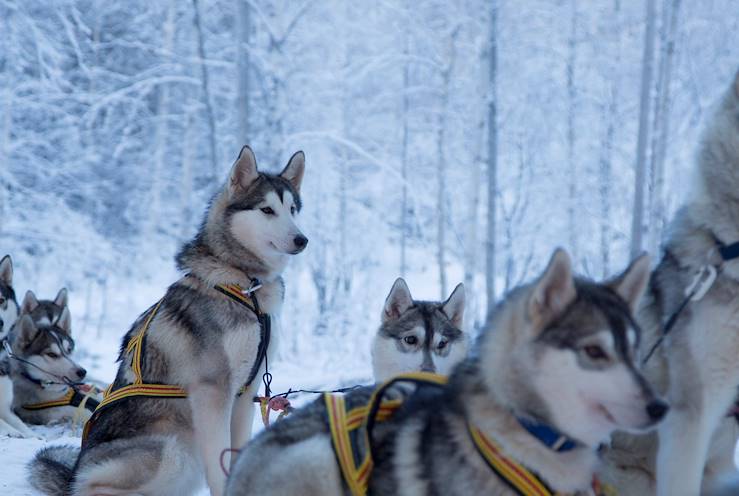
454, 306
25, 329
61, 298
244, 171
6, 270
64, 322
398, 301
554, 291
30, 302
632, 283
294, 169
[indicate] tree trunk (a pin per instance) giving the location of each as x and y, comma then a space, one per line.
637, 223
492, 169
662, 122
243, 27
210, 115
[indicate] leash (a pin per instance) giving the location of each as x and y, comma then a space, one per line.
697, 289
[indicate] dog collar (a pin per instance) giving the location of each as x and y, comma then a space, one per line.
548, 436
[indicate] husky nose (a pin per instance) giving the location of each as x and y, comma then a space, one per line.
656, 409
300, 241
81, 373
2, 323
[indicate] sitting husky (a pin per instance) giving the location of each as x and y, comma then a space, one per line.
42, 342
173, 408
696, 365
549, 382
418, 335
10, 424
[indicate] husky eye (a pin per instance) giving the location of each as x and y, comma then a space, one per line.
2, 300
595, 352
442, 344
267, 211
52, 355
411, 340
292, 210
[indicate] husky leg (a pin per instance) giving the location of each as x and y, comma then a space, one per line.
8, 430
721, 476
242, 417
211, 410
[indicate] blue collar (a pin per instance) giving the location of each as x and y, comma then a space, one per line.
550, 437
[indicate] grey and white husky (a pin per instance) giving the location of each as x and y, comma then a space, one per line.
559, 354
197, 339
42, 345
697, 365
418, 335
10, 424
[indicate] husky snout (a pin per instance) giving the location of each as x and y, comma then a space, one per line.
300, 242
657, 409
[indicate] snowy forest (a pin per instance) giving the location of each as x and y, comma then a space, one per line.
446, 141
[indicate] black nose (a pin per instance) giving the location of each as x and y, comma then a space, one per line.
300, 241
657, 409
81, 373
2, 323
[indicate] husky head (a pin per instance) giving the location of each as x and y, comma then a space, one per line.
252, 222
418, 335
45, 346
562, 351
44, 312
8, 303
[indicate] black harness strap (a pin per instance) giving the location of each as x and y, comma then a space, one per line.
729, 252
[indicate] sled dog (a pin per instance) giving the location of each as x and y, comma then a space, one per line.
418, 335
173, 407
548, 382
696, 365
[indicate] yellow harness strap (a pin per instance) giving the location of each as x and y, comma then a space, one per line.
349, 434
65, 400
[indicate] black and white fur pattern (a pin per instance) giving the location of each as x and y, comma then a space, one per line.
42, 340
419, 335
10, 424
696, 366
560, 351
199, 340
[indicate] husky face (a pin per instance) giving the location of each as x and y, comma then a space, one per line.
8, 304
578, 351
418, 335
263, 209
48, 347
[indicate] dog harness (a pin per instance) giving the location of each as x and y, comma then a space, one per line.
351, 438
137, 344
80, 395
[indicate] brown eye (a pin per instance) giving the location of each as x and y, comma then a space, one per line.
595, 352
442, 344
2, 300
292, 210
52, 355
267, 211
411, 340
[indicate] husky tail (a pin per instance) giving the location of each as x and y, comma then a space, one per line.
51, 470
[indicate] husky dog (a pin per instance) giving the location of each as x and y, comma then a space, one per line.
199, 340
418, 335
42, 342
10, 424
560, 354
696, 365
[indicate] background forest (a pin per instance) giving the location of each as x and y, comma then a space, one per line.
446, 141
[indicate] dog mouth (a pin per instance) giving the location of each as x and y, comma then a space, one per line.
603, 411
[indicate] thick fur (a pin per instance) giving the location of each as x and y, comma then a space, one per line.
697, 366
201, 341
533, 362
10, 424
44, 339
419, 335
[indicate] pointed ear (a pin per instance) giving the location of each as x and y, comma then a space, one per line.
294, 169
25, 329
398, 301
244, 171
61, 298
30, 302
6, 270
554, 291
454, 306
64, 322
632, 283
